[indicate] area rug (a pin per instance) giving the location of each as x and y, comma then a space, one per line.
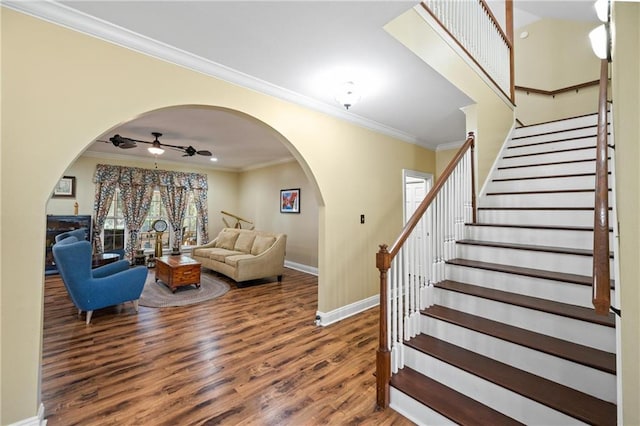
158, 295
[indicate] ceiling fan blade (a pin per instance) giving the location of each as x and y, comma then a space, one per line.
122, 142
207, 153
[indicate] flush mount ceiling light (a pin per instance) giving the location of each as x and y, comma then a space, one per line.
347, 95
600, 37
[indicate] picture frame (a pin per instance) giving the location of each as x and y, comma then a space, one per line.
66, 187
290, 200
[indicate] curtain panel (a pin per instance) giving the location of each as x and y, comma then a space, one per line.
136, 185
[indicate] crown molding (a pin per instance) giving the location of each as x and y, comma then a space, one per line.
73, 19
449, 145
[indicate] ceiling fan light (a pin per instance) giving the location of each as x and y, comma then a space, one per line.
600, 41
155, 148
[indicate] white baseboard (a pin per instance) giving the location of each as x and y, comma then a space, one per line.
37, 420
302, 268
326, 318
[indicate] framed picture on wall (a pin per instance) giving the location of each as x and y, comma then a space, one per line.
290, 200
66, 187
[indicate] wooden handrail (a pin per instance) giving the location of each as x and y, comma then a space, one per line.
575, 87
422, 208
601, 275
384, 258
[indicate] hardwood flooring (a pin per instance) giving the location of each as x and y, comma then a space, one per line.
253, 357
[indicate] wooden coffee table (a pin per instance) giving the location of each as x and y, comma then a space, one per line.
178, 271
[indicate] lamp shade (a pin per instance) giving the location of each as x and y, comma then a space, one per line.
602, 10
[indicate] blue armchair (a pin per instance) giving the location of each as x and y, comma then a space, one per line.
92, 289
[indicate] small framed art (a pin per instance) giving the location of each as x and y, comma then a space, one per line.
66, 187
290, 200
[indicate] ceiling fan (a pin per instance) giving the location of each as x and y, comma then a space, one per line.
156, 147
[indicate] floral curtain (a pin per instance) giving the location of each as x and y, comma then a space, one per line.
137, 185
174, 199
106, 183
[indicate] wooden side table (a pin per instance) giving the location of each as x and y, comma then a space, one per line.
178, 271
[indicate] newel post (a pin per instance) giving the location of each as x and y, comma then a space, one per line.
383, 356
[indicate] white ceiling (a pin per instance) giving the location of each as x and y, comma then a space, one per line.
296, 50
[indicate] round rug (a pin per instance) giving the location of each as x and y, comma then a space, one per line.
158, 295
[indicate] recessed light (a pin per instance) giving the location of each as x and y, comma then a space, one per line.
214, 159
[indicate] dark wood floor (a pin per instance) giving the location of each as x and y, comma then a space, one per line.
253, 357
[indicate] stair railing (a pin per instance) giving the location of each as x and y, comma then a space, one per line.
476, 30
601, 274
417, 259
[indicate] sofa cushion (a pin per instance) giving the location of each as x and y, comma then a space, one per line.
244, 242
226, 240
261, 243
221, 254
233, 260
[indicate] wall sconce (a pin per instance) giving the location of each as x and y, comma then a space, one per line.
600, 37
346, 95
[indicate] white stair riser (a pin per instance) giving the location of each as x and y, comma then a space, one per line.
541, 237
415, 411
517, 141
500, 399
557, 262
575, 294
525, 148
555, 199
546, 170
589, 380
588, 120
572, 330
577, 182
539, 217
516, 160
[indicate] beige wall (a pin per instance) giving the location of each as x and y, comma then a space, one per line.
626, 96
556, 54
61, 89
443, 158
258, 194
492, 114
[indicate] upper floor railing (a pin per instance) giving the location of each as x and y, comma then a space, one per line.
474, 27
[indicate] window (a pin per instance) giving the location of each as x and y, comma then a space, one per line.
113, 234
114, 227
156, 211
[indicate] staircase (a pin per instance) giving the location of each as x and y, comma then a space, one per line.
510, 335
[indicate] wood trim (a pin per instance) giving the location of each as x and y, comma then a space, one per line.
560, 119
553, 93
601, 274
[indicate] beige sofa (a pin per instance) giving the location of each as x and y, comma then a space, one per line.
243, 254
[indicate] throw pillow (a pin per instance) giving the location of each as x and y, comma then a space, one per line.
245, 242
226, 240
261, 243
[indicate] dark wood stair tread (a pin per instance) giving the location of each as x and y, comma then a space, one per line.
561, 398
551, 163
569, 175
542, 191
545, 142
546, 208
451, 404
541, 227
544, 249
529, 272
595, 358
554, 151
543, 305
594, 126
